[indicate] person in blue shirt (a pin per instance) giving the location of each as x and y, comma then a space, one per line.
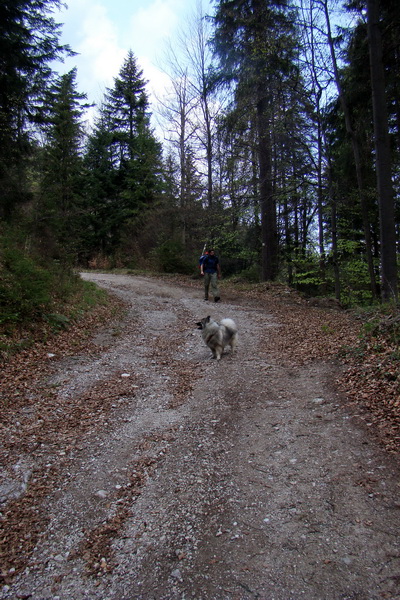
211, 271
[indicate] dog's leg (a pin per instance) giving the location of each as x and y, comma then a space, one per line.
233, 343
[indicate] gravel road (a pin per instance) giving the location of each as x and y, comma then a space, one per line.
242, 480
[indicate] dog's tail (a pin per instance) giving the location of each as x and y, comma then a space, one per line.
230, 325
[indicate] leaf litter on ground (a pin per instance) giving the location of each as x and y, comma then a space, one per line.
306, 332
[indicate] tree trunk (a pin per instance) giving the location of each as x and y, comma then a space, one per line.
335, 253
209, 149
320, 207
383, 157
268, 211
357, 159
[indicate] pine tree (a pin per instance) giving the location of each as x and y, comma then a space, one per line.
126, 106
125, 160
102, 216
29, 41
254, 40
383, 156
62, 162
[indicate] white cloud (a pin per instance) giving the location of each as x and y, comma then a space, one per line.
99, 47
156, 79
103, 31
152, 25
90, 32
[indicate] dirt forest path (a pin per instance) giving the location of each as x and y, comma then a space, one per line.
242, 480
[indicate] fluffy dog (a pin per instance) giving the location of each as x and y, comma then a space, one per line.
218, 335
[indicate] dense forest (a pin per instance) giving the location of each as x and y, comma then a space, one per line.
281, 149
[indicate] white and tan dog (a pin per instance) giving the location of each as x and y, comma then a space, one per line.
218, 335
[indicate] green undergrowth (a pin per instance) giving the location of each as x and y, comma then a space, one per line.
38, 297
379, 334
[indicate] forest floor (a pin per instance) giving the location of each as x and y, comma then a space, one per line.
133, 466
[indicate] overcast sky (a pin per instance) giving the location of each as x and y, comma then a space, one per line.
103, 31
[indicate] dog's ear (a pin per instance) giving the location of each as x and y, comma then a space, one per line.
199, 325
208, 319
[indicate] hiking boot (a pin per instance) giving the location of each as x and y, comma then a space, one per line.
217, 299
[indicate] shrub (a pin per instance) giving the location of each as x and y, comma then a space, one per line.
252, 274
170, 258
34, 290
307, 275
25, 287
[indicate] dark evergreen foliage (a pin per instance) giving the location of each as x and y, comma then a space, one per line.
60, 201
123, 162
29, 42
256, 44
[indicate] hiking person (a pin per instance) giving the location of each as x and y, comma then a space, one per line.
211, 271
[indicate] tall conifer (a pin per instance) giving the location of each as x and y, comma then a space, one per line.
124, 143
29, 41
62, 164
254, 42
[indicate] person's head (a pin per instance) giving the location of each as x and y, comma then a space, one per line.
211, 252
